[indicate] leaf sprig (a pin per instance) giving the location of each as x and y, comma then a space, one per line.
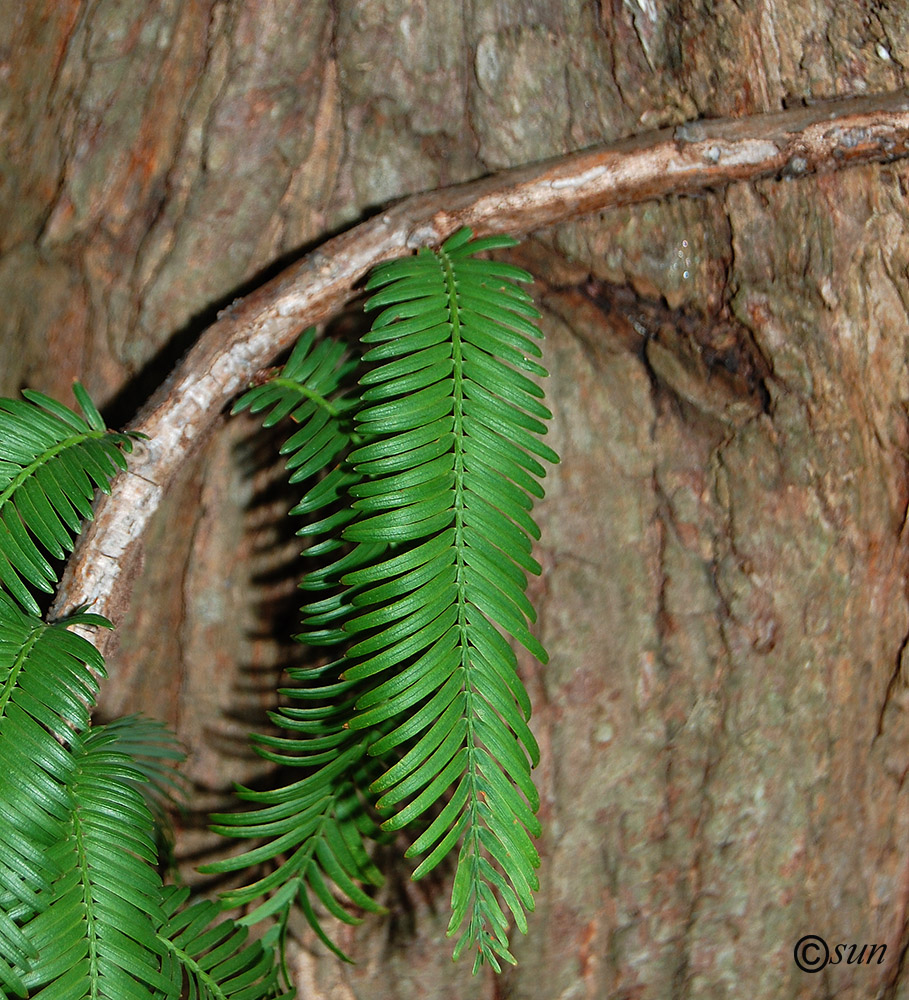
453, 468
51, 463
424, 495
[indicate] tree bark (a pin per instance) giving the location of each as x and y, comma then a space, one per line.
723, 720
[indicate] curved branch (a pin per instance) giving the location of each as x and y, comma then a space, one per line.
252, 331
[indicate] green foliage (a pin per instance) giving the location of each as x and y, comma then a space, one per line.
418, 486
51, 463
423, 486
98, 938
209, 959
111, 930
438, 602
320, 823
48, 681
83, 913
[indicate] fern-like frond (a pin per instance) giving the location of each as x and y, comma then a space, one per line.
209, 958
51, 462
318, 826
313, 830
98, 940
48, 680
313, 390
419, 499
448, 476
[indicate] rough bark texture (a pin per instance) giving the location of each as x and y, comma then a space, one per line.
723, 720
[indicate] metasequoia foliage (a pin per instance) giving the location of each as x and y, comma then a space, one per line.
418, 482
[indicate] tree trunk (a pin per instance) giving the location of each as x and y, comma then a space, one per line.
723, 720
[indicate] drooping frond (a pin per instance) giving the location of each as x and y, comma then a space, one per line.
51, 462
48, 680
317, 823
419, 494
449, 478
209, 958
315, 826
98, 940
313, 390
